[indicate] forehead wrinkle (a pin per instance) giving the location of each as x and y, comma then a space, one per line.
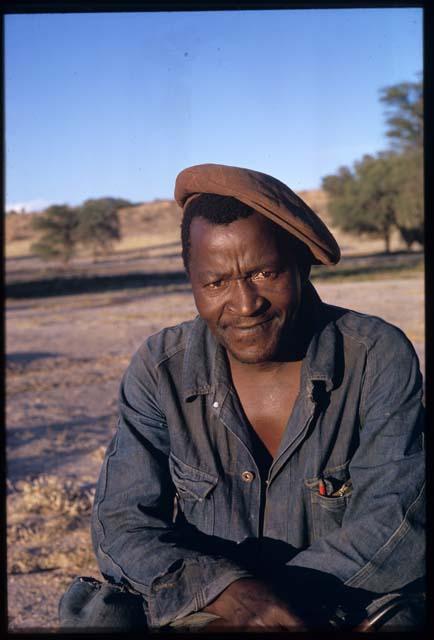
237, 248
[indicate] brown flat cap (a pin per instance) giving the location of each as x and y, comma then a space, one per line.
268, 196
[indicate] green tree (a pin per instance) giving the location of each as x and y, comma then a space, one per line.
404, 117
409, 201
99, 224
386, 191
362, 200
58, 227
404, 114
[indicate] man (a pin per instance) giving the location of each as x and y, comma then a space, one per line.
287, 431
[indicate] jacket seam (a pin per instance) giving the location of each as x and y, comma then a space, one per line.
101, 499
365, 339
100, 523
366, 381
169, 354
104, 551
384, 551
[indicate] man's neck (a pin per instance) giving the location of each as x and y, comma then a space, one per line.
261, 369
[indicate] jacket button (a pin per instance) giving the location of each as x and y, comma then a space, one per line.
247, 476
215, 405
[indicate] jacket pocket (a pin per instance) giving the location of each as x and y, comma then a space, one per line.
194, 493
327, 511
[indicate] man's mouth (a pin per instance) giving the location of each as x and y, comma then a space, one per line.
253, 326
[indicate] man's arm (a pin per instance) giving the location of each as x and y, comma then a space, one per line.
380, 545
135, 539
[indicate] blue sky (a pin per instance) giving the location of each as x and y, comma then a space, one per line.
117, 104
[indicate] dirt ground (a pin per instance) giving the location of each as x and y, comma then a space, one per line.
65, 357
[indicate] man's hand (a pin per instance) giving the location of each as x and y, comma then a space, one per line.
250, 603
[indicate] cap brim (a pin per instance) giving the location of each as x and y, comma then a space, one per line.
264, 194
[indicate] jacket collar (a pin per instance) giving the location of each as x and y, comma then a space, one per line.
323, 355
198, 373
205, 362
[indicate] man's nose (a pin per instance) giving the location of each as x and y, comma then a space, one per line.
245, 299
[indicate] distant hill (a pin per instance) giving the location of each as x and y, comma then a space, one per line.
157, 217
18, 226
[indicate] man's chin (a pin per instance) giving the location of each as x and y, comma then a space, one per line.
250, 349
253, 355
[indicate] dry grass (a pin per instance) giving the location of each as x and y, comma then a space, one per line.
18, 248
146, 241
98, 454
42, 514
136, 241
48, 495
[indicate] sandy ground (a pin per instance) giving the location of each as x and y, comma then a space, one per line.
65, 357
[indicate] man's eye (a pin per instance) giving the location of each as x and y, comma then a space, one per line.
217, 284
263, 275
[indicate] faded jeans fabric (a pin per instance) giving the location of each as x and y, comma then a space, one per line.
357, 424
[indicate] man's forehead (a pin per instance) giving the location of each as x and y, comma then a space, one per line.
250, 247
260, 232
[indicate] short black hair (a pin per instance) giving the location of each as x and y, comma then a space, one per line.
218, 209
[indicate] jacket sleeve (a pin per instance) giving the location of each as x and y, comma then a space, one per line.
380, 545
134, 536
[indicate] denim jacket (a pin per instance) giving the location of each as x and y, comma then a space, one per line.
356, 426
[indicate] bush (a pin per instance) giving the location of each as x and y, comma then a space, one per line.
58, 225
99, 224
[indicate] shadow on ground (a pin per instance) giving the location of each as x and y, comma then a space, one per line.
55, 444
73, 285
25, 357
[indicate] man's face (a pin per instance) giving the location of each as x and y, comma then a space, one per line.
246, 286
